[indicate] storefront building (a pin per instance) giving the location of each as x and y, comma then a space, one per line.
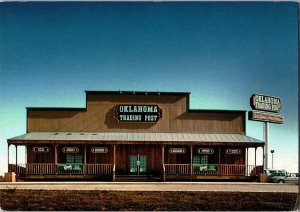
142, 134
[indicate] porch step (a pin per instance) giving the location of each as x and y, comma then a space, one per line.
137, 178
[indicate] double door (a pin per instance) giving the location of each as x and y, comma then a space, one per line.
138, 164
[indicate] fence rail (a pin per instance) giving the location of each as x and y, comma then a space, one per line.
212, 169
60, 169
99, 168
107, 169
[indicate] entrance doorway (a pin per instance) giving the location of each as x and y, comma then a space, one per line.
138, 164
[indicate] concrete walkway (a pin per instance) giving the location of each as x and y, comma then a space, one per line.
157, 186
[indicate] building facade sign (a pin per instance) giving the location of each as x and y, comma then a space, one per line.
177, 150
266, 103
266, 117
205, 151
233, 151
138, 113
40, 149
69, 167
70, 149
99, 150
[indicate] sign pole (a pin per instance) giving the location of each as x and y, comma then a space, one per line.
266, 138
260, 104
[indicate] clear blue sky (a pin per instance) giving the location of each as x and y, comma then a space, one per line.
220, 52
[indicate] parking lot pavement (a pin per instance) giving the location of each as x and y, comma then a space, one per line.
161, 186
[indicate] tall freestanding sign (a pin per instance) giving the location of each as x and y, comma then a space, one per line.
266, 109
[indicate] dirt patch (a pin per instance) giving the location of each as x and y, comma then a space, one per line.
41, 200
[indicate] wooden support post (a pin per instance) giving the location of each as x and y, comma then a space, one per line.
8, 145
163, 155
255, 157
84, 159
255, 161
26, 153
114, 164
263, 157
55, 158
16, 155
26, 150
246, 171
163, 162
219, 162
8, 169
114, 154
191, 161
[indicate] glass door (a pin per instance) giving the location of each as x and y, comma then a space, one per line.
133, 164
138, 164
143, 163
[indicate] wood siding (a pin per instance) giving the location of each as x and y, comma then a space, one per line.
153, 153
40, 157
99, 117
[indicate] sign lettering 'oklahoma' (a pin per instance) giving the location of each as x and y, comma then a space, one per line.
266, 103
138, 113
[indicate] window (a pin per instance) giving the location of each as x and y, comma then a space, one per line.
196, 159
204, 159
74, 158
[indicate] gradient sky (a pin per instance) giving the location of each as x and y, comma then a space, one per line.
222, 53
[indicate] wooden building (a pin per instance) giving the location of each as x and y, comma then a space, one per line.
143, 134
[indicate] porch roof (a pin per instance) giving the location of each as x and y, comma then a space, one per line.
136, 137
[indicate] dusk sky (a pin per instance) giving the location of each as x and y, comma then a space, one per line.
222, 53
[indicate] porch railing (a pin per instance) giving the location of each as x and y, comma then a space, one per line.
99, 168
177, 169
212, 169
107, 169
40, 168
60, 169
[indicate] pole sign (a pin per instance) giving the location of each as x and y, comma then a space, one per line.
138, 113
260, 104
266, 103
265, 117
265, 109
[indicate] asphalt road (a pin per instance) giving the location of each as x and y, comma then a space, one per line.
150, 186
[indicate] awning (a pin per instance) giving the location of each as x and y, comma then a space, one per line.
127, 137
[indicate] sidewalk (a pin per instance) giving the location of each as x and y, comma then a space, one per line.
155, 186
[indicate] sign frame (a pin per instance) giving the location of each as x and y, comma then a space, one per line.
36, 149
231, 151
67, 167
266, 103
76, 150
137, 113
175, 150
95, 152
200, 151
266, 117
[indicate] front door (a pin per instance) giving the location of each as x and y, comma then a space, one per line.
138, 164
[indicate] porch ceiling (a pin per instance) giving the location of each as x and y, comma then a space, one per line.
127, 137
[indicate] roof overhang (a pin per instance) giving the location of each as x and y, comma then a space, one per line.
135, 138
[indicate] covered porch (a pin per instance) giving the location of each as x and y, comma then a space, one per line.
110, 155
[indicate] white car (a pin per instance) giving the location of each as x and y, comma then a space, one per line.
285, 178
